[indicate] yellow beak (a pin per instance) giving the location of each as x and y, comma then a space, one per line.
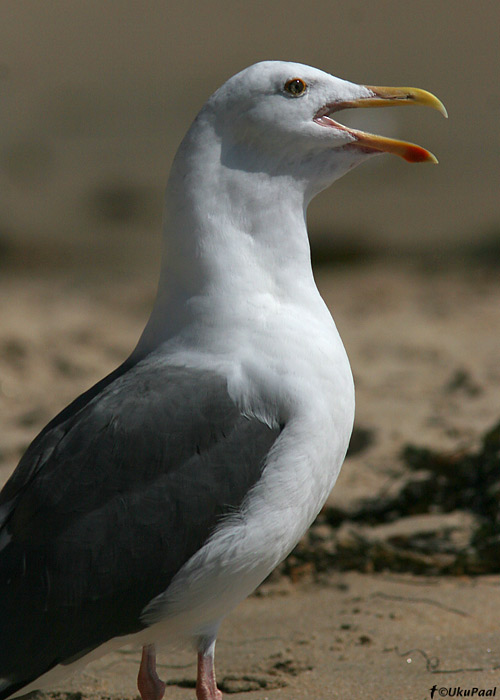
390, 97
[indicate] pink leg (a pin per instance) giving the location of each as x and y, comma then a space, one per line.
150, 686
206, 685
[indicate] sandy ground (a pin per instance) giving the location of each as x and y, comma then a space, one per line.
424, 349
353, 636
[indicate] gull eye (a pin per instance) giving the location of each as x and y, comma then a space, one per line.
295, 87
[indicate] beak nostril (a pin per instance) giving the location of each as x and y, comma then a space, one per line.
390, 96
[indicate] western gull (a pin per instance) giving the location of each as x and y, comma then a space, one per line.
162, 496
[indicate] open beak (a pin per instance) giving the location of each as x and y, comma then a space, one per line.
384, 97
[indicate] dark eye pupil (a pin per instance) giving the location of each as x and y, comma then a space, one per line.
296, 86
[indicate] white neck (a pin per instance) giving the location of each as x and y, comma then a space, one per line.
235, 236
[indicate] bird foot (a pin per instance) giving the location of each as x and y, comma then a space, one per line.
206, 693
149, 685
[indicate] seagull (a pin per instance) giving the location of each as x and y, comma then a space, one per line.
148, 508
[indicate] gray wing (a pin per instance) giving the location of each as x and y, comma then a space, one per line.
108, 503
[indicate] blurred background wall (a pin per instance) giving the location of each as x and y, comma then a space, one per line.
95, 96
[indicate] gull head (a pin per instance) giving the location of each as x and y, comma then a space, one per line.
263, 145
280, 115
